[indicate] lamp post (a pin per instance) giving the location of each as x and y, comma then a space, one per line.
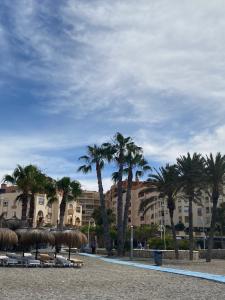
89, 225
131, 242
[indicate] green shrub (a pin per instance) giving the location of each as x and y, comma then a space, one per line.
158, 243
183, 244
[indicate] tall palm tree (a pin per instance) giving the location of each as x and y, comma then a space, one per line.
70, 191
215, 173
119, 150
135, 165
22, 177
96, 157
166, 183
191, 173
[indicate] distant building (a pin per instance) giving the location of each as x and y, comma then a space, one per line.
158, 212
44, 213
89, 201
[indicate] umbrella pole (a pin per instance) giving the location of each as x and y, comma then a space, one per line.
69, 254
36, 251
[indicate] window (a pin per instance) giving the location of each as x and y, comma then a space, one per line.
207, 210
199, 212
152, 216
41, 200
78, 209
180, 219
5, 203
186, 219
186, 209
89, 206
14, 214
129, 220
142, 218
179, 209
207, 199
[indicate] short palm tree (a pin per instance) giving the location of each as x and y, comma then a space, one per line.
70, 191
191, 179
215, 175
95, 157
166, 183
23, 178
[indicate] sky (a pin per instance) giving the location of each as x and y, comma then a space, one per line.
75, 72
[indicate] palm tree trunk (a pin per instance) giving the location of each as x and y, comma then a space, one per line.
62, 212
24, 208
120, 209
215, 197
127, 203
174, 234
105, 222
31, 210
191, 238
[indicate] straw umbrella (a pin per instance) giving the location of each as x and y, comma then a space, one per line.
72, 238
59, 239
7, 237
34, 237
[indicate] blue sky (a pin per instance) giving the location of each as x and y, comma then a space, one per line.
73, 73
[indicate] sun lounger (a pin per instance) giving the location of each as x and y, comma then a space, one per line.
33, 263
61, 261
46, 260
3, 260
77, 262
11, 262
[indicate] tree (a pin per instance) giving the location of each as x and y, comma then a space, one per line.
215, 172
37, 185
165, 182
220, 220
70, 191
135, 165
96, 157
98, 216
191, 174
118, 150
23, 178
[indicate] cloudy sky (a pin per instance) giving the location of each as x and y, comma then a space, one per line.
74, 72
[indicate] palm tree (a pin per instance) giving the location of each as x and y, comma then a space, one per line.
96, 157
70, 191
166, 183
191, 171
22, 177
136, 164
215, 172
37, 185
119, 150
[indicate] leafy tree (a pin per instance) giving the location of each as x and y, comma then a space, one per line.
191, 179
215, 172
70, 190
98, 216
220, 220
165, 182
96, 157
179, 226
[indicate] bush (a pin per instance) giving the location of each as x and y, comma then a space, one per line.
158, 243
183, 244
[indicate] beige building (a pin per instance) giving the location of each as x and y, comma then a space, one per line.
158, 212
89, 200
44, 213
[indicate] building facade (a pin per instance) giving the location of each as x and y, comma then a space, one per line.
89, 200
44, 213
158, 212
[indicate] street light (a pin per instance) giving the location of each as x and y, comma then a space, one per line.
89, 225
131, 242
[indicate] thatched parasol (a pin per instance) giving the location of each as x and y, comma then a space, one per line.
7, 237
73, 238
59, 239
34, 237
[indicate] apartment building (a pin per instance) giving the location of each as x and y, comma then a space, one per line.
44, 213
158, 212
89, 200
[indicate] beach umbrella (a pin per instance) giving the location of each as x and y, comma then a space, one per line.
34, 237
7, 237
21, 240
72, 238
59, 239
